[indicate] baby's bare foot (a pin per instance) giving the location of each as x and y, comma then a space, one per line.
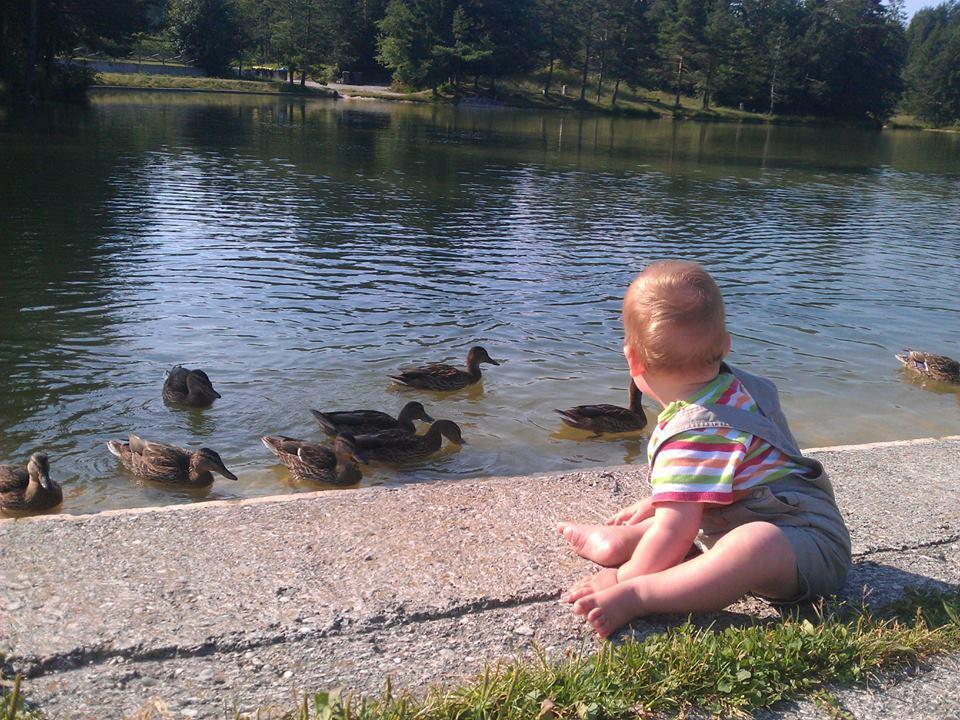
609, 610
604, 544
590, 585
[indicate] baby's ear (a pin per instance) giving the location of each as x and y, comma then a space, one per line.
633, 360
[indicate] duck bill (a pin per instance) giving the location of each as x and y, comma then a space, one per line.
427, 418
45, 480
495, 362
226, 473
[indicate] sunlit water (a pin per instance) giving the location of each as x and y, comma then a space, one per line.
301, 252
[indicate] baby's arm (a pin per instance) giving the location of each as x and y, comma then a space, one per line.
633, 514
666, 542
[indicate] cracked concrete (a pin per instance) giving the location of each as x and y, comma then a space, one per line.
237, 605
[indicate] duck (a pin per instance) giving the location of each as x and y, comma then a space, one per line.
935, 367
398, 446
189, 387
443, 377
362, 422
169, 464
316, 463
29, 488
608, 418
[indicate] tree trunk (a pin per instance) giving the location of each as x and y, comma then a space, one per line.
600, 79
676, 99
32, 57
546, 84
586, 56
616, 91
708, 87
303, 78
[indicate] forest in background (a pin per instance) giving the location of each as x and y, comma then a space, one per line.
845, 59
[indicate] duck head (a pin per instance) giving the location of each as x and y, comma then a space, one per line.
450, 430
478, 355
38, 468
199, 385
414, 411
207, 460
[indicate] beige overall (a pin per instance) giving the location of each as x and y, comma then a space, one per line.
802, 507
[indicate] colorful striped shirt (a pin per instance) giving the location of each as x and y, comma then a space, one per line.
713, 465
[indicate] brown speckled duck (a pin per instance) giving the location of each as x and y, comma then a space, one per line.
935, 367
443, 377
189, 387
168, 463
29, 489
316, 463
398, 446
608, 418
361, 422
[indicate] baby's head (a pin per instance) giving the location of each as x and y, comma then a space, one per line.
673, 320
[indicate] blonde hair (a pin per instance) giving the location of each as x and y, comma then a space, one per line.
673, 316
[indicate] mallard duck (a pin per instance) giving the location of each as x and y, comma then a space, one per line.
360, 422
935, 367
168, 463
397, 445
189, 387
608, 418
29, 488
439, 376
308, 461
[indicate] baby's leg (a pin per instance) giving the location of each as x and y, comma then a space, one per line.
607, 545
756, 557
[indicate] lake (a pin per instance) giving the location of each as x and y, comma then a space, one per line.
302, 251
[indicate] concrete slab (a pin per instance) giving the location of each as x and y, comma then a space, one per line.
239, 604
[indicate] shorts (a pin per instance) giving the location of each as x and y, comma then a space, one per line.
807, 514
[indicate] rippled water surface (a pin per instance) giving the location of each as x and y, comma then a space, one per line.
301, 252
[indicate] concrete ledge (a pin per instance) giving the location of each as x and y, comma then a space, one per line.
239, 603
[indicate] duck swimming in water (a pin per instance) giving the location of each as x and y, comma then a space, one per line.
398, 446
169, 464
316, 463
29, 489
608, 418
443, 377
189, 387
935, 367
362, 422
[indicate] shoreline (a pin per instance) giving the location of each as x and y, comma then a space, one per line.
318, 494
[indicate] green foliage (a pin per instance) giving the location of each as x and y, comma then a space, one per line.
36, 35
208, 31
932, 71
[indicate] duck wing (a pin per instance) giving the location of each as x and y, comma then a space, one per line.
603, 418
13, 478
438, 376
158, 461
355, 422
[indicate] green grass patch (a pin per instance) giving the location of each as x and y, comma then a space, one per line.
12, 706
725, 672
174, 82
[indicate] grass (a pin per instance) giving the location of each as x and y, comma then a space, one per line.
729, 672
174, 82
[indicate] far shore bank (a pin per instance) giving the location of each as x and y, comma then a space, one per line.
517, 94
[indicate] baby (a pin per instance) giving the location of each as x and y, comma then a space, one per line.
735, 508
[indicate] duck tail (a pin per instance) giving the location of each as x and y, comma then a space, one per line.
324, 422
401, 379
904, 357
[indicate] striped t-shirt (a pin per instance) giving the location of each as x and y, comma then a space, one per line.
713, 465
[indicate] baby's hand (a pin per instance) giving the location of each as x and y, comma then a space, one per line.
632, 514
